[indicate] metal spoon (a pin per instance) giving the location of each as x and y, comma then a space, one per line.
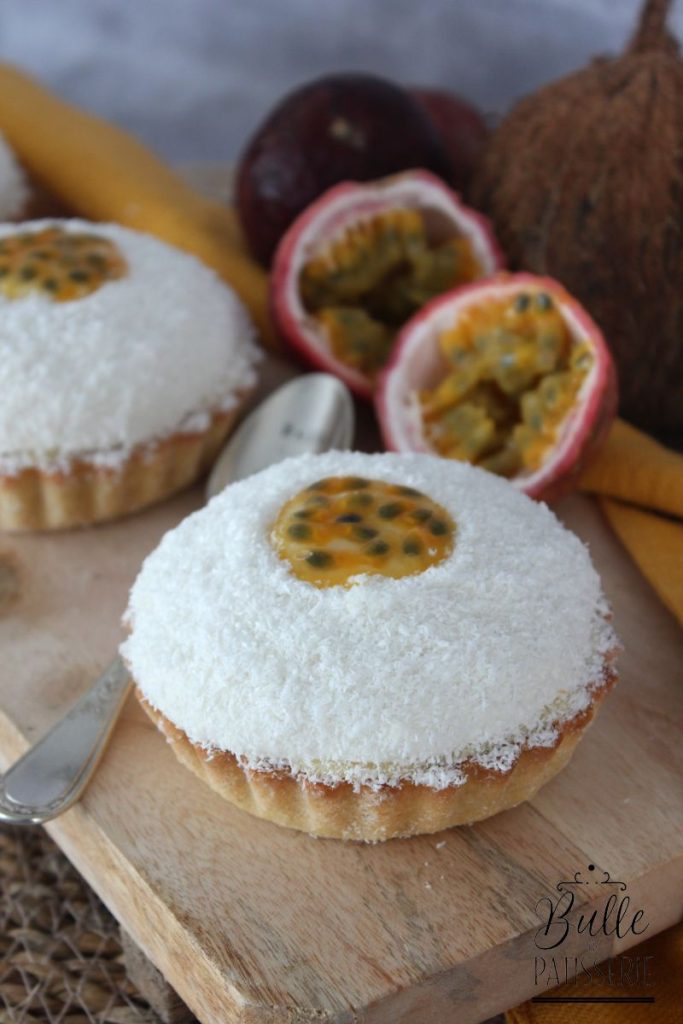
313, 413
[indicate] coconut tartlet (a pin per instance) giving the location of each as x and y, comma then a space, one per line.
369, 646
123, 365
14, 189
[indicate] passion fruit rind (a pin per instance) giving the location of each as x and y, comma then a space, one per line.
373, 277
60, 265
358, 263
343, 527
510, 374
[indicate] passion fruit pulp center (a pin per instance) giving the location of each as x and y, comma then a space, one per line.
513, 374
347, 526
370, 279
63, 265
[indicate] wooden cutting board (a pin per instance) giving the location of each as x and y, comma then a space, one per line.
256, 924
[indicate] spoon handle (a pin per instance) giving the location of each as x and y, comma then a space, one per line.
52, 774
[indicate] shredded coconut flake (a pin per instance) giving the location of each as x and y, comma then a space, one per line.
136, 360
13, 187
479, 656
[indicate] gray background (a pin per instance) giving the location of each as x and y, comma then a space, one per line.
193, 77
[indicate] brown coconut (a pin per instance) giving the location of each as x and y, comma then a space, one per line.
584, 182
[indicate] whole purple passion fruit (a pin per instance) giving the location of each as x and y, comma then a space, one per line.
346, 127
461, 128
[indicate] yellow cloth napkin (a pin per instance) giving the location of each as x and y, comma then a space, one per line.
102, 173
639, 484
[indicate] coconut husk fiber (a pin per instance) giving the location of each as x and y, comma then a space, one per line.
584, 182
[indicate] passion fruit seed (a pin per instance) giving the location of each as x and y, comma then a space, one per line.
62, 265
364, 533
362, 500
299, 531
392, 537
514, 373
366, 283
319, 559
391, 510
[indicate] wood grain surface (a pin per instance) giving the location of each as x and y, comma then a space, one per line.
253, 923
250, 922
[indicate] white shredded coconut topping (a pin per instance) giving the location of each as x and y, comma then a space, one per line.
13, 187
482, 654
134, 361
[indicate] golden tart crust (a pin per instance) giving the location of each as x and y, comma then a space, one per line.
376, 814
84, 493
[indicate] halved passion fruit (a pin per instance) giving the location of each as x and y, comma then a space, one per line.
363, 259
510, 374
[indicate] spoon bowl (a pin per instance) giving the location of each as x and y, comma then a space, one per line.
312, 413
